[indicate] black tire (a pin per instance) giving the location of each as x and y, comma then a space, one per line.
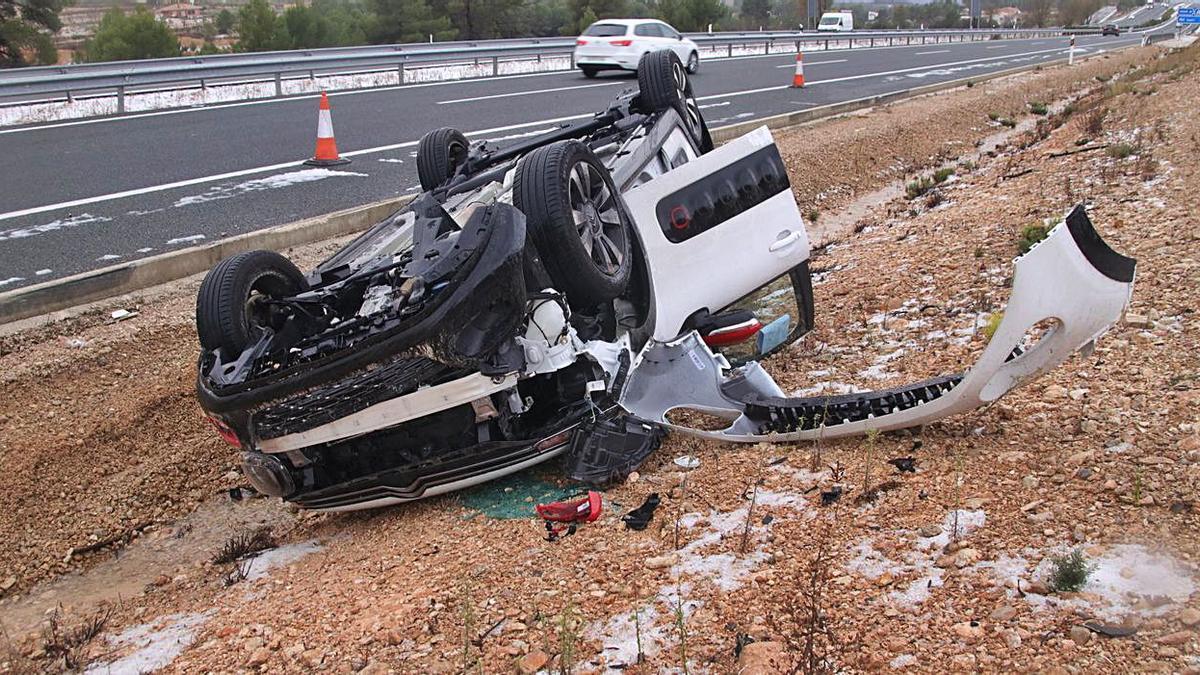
693, 63
557, 186
439, 153
589, 72
228, 314
663, 83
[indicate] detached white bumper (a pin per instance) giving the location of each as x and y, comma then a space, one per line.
1072, 279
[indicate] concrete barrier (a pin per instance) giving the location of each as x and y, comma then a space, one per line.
79, 289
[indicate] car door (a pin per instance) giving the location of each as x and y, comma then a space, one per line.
716, 229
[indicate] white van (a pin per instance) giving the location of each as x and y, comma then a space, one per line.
836, 21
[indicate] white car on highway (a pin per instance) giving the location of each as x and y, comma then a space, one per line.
618, 44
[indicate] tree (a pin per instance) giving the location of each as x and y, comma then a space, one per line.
692, 15
24, 28
225, 21
756, 13
256, 27
1037, 12
125, 37
408, 21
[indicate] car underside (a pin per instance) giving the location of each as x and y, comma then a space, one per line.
570, 294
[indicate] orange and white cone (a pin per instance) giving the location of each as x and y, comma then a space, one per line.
798, 78
327, 153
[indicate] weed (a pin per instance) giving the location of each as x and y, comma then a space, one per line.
995, 117
1103, 78
872, 438
1030, 235
749, 517
1006, 122
813, 214
1038, 108
978, 252
1093, 121
67, 644
1070, 572
919, 187
680, 625
467, 614
241, 545
1147, 166
993, 325
236, 574
816, 455
942, 174
934, 198
966, 166
568, 638
970, 83
1120, 150
637, 629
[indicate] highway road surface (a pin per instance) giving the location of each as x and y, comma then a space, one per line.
80, 195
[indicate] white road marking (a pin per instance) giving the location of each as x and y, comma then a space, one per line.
259, 169
715, 105
996, 47
936, 51
813, 63
531, 92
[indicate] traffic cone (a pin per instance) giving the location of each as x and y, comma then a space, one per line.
798, 78
326, 154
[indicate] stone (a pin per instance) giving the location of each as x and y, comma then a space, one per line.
1081, 457
1083, 473
8, 583
1003, 613
259, 657
1176, 638
1078, 394
1080, 635
1012, 638
1154, 459
253, 644
968, 631
962, 663
374, 668
763, 658
661, 561
532, 662
1037, 587
1056, 391
930, 531
312, 658
1138, 320
1189, 617
965, 557
1030, 482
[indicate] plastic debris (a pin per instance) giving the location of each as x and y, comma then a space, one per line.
639, 518
687, 461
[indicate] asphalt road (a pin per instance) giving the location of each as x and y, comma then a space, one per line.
81, 195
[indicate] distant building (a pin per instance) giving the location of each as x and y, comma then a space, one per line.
1006, 16
181, 16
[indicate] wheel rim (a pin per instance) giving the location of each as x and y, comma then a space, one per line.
693, 62
692, 112
597, 218
680, 80
457, 152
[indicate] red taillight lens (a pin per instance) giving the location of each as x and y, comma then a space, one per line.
731, 335
580, 42
225, 432
620, 43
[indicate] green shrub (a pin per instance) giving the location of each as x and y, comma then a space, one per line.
1070, 572
942, 174
1030, 235
1005, 122
813, 215
993, 325
993, 116
1038, 108
919, 187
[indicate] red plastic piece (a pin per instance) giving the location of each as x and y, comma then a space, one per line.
582, 510
732, 335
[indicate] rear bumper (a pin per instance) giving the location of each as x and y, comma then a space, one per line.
608, 61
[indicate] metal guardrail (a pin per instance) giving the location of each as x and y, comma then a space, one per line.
66, 82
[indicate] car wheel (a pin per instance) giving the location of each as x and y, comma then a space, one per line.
663, 83
577, 221
439, 153
693, 64
588, 72
232, 308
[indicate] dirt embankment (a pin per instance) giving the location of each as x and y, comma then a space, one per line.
940, 571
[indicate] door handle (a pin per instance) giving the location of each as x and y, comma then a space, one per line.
784, 241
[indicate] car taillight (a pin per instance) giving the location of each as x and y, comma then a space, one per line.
620, 43
225, 432
580, 42
731, 335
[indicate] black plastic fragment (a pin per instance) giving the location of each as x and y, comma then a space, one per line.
904, 464
639, 518
830, 496
608, 450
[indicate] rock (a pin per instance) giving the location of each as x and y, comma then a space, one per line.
259, 657
312, 658
763, 658
1080, 635
965, 557
293, 652
1078, 394
8, 583
1189, 443
374, 668
1037, 587
930, 531
968, 631
1137, 320
1003, 613
253, 644
1055, 391
661, 562
1082, 457
1030, 482
1176, 638
1189, 617
633, 477
532, 662
975, 503
1012, 638
884, 579
1154, 459
962, 663
1083, 473
1148, 500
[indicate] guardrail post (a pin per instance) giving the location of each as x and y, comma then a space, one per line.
121, 100
496, 64
767, 47
278, 85
730, 45
827, 44
400, 72
872, 42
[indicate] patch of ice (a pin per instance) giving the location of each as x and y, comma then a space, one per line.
1150, 575
917, 591
11, 280
263, 563
108, 256
184, 240
870, 563
281, 180
52, 226
154, 649
966, 523
877, 371
42, 273
830, 388
903, 661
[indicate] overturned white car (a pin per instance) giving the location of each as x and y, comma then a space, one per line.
567, 295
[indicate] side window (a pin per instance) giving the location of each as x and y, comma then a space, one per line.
646, 30
669, 32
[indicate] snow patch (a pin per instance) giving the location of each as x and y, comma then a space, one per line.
153, 649
52, 226
1127, 573
263, 563
11, 280
182, 240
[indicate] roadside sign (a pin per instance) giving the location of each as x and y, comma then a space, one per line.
1188, 15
